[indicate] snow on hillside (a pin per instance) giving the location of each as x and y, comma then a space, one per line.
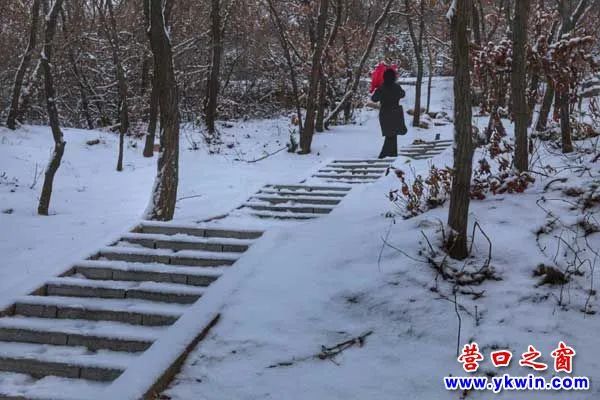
92, 203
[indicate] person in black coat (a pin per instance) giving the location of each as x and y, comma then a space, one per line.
391, 113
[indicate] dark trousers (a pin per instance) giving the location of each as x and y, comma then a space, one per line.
390, 147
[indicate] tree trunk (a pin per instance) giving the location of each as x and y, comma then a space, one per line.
57, 135
321, 103
113, 36
463, 152
354, 76
85, 103
215, 67
519, 84
565, 122
27, 91
542, 122
164, 192
288, 58
11, 121
417, 43
152, 118
315, 73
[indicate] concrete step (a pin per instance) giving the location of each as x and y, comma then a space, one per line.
359, 166
366, 161
193, 230
288, 193
309, 188
159, 292
93, 335
139, 272
186, 242
128, 311
165, 256
296, 200
39, 361
347, 176
284, 215
294, 209
16, 386
353, 172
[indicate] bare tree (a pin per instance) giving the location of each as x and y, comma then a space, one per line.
215, 66
288, 58
417, 42
59, 142
110, 27
25, 61
519, 83
357, 73
81, 80
458, 215
164, 192
322, 101
315, 74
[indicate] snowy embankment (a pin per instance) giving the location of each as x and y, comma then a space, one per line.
323, 282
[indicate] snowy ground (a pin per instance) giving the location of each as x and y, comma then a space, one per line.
309, 284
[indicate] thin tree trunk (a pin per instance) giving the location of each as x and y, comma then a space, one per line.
430, 77
85, 103
113, 35
27, 91
215, 67
11, 121
321, 102
565, 122
288, 58
315, 73
57, 135
357, 73
542, 122
463, 152
164, 192
152, 118
418, 49
519, 83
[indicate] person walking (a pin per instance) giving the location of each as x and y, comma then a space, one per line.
391, 113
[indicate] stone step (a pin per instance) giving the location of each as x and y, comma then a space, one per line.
422, 150
39, 361
93, 335
284, 215
295, 209
352, 171
366, 161
128, 311
186, 242
296, 200
159, 292
310, 188
192, 230
303, 194
165, 256
16, 386
359, 166
347, 176
139, 272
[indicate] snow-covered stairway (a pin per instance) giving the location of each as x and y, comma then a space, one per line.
294, 201
354, 171
422, 150
72, 337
